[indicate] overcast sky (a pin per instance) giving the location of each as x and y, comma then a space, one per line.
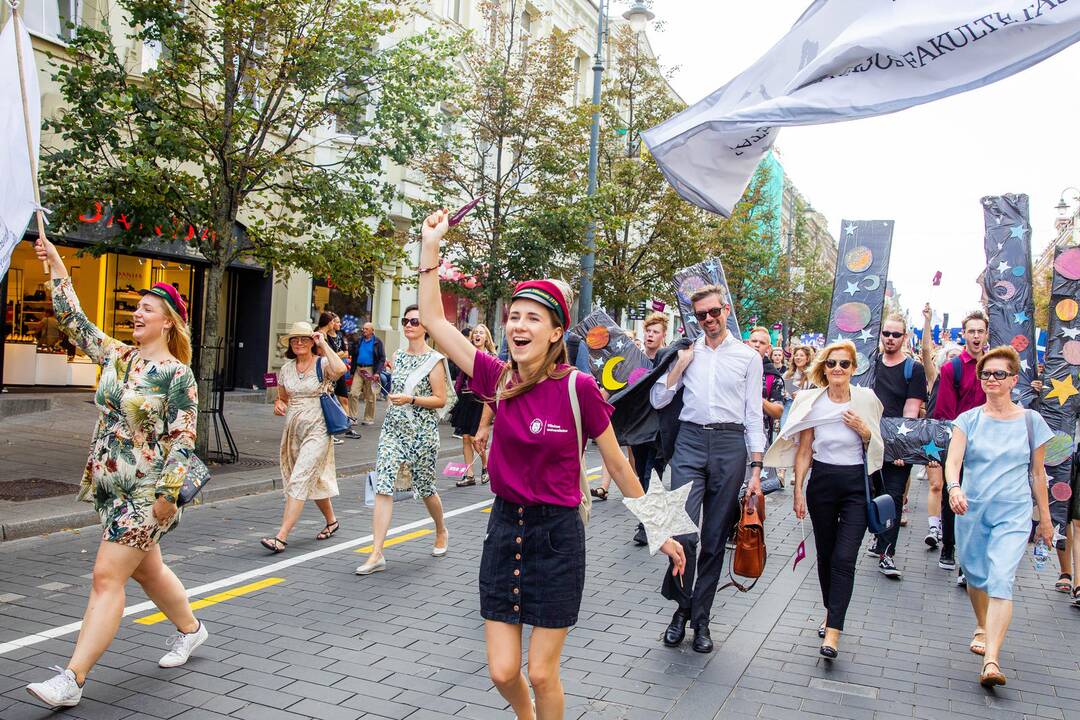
926, 168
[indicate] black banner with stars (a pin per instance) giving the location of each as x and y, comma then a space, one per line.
687, 280
614, 359
1010, 302
862, 266
1061, 364
916, 441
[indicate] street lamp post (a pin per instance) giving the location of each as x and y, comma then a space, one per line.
638, 16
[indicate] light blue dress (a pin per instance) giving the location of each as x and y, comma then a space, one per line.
991, 537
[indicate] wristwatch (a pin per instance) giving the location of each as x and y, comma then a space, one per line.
757, 464
169, 497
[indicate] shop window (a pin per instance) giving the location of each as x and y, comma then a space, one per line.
125, 275
325, 296
53, 18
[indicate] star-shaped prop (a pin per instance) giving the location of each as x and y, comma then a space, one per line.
1020, 317
1003, 267
1017, 231
932, 450
663, 513
850, 229
1062, 390
866, 335
852, 288
903, 429
1025, 365
1070, 333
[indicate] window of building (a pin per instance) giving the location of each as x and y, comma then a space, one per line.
452, 10
51, 17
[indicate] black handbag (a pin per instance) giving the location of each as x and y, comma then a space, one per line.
880, 510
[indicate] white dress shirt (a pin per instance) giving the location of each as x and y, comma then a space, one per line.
721, 386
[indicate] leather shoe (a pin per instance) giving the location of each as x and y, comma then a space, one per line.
702, 639
676, 631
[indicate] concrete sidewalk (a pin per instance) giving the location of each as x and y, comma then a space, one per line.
53, 445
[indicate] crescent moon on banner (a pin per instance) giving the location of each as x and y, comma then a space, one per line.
874, 282
607, 377
1004, 289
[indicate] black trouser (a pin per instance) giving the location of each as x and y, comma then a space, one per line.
714, 461
892, 480
836, 499
948, 517
645, 463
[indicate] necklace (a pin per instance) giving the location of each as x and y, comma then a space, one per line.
303, 373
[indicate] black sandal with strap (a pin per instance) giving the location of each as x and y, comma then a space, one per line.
1064, 583
326, 533
274, 544
599, 493
467, 481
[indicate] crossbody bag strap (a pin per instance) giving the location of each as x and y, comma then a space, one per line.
1031, 443
575, 407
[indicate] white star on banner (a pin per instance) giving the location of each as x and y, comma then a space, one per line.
903, 429
852, 288
1003, 267
1070, 333
866, 334
850, 229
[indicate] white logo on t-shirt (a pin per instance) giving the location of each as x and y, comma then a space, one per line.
536, 426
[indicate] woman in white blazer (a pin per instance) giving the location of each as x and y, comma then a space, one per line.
833, 428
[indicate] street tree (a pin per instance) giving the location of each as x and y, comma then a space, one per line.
253, 128
645, 231
510, 138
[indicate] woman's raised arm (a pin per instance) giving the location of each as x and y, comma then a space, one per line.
449, 339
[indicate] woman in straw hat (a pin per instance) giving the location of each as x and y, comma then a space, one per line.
532, 571
139, 456
308, 471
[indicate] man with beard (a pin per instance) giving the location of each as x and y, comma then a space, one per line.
900, 385
959, 390
719, 379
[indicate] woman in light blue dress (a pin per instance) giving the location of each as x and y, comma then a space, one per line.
997, 445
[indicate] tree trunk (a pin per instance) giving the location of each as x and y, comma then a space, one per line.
215, 276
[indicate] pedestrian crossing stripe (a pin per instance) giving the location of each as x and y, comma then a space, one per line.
215, 599
396, 540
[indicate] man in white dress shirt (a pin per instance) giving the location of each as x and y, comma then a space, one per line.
720, 380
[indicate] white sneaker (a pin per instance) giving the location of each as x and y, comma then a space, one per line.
61, 690
372, 567
183, 644
336, 440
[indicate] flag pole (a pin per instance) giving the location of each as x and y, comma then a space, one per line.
26, 124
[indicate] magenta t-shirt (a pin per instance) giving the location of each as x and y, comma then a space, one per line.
534, 455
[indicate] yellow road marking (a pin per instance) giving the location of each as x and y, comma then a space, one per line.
592, 477
396, 541
487, 510
215, 599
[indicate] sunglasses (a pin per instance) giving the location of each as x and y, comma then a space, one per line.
406, 322
711, 312
996, 374
889, 334
845, 364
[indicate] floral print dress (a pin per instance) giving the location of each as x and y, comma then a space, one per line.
145, 435
409, 441
308, 471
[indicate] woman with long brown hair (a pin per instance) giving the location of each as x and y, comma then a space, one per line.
532, 571
139, 456
469, 409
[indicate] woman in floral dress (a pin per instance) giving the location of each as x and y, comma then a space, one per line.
409, 442
308, 471
139, 456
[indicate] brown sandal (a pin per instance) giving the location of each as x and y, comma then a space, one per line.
326, 533
467, 481
978, 646
599, 493
274, 544
991, 679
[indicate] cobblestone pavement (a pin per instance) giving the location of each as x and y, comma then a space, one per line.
303, 637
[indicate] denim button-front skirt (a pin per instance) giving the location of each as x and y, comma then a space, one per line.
533, 568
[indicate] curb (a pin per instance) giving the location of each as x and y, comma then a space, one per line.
86, 518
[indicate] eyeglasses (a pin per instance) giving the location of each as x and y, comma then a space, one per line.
406, 322
845, 364
996, 374
711, 312
887, 333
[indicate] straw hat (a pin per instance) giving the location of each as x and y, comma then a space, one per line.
298, 329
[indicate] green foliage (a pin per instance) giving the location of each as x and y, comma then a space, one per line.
512, 141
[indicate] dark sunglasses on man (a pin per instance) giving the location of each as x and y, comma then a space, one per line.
845, 364
996, 374
406, 322
891, 334
711, 312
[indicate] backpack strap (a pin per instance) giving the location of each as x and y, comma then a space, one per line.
770, 380
909, 368
957, 365
1031, 442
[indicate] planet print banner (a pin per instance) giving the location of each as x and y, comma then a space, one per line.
687, 280
614, 359
1061, 376
1010, 301
862, 266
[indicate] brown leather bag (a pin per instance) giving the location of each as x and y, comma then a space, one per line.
748, 560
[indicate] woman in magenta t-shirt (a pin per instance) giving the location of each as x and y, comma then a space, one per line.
533, 567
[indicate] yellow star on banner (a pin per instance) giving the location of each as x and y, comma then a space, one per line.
1063, 389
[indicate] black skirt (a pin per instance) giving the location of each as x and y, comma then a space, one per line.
465, 416
532, 571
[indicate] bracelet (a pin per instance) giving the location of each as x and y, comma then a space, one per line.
429, 269
950, 488
757, 464
412, 400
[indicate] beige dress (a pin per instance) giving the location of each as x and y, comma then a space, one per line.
307, 455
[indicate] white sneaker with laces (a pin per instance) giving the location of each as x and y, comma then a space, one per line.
182, 645
61, 690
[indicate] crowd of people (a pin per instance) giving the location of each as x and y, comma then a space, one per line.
722, 410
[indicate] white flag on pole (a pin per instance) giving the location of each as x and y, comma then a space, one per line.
849, 59
16, 185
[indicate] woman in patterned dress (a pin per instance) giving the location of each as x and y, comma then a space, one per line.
139, 455
308, 471
409, 442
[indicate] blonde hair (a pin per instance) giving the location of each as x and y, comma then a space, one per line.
817, 372
1001, 352
179, 335
657, 318
489, 343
